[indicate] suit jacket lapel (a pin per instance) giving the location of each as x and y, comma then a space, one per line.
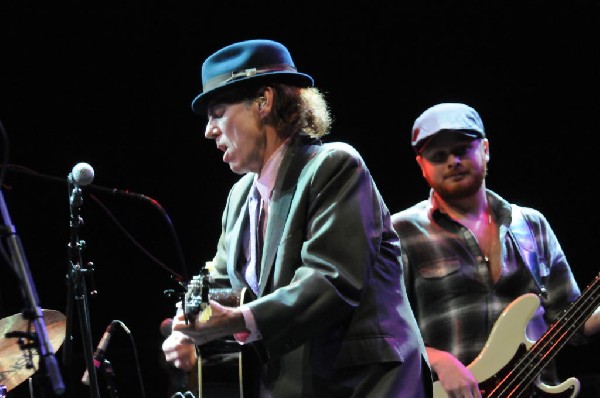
236, 257
285, 186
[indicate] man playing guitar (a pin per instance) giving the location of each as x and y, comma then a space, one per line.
468, 254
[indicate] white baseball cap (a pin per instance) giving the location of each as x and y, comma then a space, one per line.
446, 116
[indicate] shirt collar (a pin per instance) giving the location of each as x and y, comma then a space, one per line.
265, 183
499, 207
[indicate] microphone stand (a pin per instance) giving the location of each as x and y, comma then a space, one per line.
76, 285
33, 310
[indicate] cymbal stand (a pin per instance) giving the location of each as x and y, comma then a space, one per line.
109, 376
77, 286
33, 310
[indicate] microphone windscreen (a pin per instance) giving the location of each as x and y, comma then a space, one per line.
83, 174
165, 327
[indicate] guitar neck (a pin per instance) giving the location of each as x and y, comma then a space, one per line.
199, 293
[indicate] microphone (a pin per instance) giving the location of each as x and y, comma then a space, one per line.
82, 174
166, 327
100, 350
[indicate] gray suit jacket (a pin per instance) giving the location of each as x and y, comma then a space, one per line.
331, 306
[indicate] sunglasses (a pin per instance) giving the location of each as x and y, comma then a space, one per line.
441, 155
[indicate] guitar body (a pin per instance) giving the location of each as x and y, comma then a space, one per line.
506, 344
217, 369
220, 366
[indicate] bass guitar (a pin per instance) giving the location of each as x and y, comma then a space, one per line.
509, 364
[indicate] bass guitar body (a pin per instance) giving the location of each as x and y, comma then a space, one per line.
506, 344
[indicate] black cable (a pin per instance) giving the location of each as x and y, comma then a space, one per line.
5, 229
135, 355
173, 274
5, 153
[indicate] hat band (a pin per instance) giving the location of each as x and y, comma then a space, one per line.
235, 75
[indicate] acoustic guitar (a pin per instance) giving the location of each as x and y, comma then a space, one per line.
221, 358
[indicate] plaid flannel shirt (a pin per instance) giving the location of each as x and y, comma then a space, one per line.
447, 278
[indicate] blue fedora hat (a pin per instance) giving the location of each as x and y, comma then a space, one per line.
256, 60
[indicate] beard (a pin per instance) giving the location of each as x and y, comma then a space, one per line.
468, 187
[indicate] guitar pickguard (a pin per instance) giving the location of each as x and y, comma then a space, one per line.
505, 347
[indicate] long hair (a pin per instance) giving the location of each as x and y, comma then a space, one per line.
295, 110
300, 110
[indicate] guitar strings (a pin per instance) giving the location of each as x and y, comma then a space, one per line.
531, 364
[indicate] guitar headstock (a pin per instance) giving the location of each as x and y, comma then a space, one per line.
196, 297
200, 292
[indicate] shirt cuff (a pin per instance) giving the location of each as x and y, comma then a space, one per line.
253, 334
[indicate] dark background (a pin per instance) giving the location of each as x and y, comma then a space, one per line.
111, 83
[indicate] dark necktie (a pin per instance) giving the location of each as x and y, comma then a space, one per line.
255, 210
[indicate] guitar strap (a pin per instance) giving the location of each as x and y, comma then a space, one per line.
525, 242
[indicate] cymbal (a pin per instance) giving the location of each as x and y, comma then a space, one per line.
13, 360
